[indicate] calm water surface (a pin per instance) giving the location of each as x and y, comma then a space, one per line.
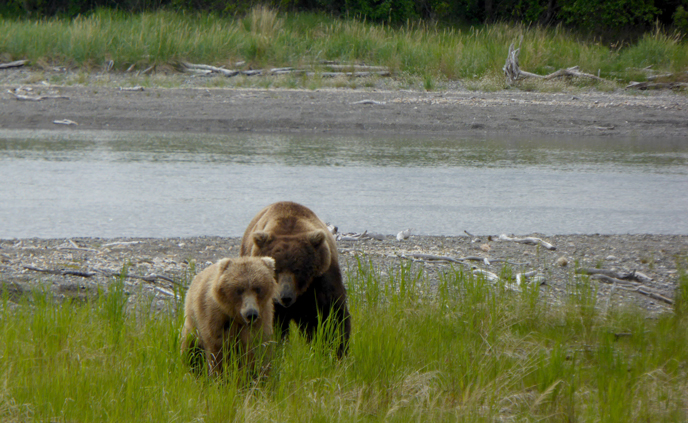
71, 184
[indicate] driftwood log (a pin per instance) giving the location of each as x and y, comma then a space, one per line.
633, 287
630, 281
435, 258
15, 64
339, 70
106, 272
513, 72
358, 237
528, 241
633, 275
22, 97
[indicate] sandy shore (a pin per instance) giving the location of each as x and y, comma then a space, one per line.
457, 112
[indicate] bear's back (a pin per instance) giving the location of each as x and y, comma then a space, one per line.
285, 218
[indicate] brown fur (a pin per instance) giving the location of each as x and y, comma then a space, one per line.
229, 308
309, 281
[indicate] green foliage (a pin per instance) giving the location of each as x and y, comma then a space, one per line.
392, 11
581, 14
594, 14
681, 19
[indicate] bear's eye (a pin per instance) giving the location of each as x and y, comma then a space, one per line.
257, 289
240, 291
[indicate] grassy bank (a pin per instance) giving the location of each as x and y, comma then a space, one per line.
466, 352
265, 39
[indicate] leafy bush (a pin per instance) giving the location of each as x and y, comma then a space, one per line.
681, 19
593, 14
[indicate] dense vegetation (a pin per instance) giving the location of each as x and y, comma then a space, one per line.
633, 15
459, 350
264, 38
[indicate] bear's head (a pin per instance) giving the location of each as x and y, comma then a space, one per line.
298, 260
244, 287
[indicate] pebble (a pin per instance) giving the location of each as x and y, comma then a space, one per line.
562, 261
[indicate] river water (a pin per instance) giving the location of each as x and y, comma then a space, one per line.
109, 184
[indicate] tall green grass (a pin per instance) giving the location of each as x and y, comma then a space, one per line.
264, 38
457, 349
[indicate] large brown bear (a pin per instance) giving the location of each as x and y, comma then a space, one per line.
309, 282
229, 309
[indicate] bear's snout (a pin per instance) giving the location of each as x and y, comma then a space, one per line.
287, 300
286, 294
251, 316
250, 310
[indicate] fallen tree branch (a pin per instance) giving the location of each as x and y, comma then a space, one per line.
529, 241
613, 280
65, 122
192, 67
15, 64
429, 257
513, 72
106, 272
633, 275
359, 237
61, 272
22, 97
356, 71
632, 287
462, 260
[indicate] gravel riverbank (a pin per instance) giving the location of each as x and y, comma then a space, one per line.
79, 266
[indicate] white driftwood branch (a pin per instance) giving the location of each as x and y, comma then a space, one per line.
192, 67
354, 71
529, 241
22, 97
429, 257
15, 64
633, 275
136, 88
513, 71
359, 237
65, 122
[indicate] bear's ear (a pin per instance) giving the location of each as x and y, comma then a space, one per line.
269, 262
316, 238
261, 238
223, 265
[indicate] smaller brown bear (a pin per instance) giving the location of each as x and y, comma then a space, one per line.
229, 310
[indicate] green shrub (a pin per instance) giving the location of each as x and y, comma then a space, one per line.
593, 14
681, 19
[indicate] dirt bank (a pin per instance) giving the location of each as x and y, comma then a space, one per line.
454, 112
